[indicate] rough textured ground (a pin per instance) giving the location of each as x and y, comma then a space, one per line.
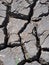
24, 32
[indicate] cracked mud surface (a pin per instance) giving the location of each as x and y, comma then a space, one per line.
24, 32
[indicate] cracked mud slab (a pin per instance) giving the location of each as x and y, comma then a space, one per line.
24, 32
